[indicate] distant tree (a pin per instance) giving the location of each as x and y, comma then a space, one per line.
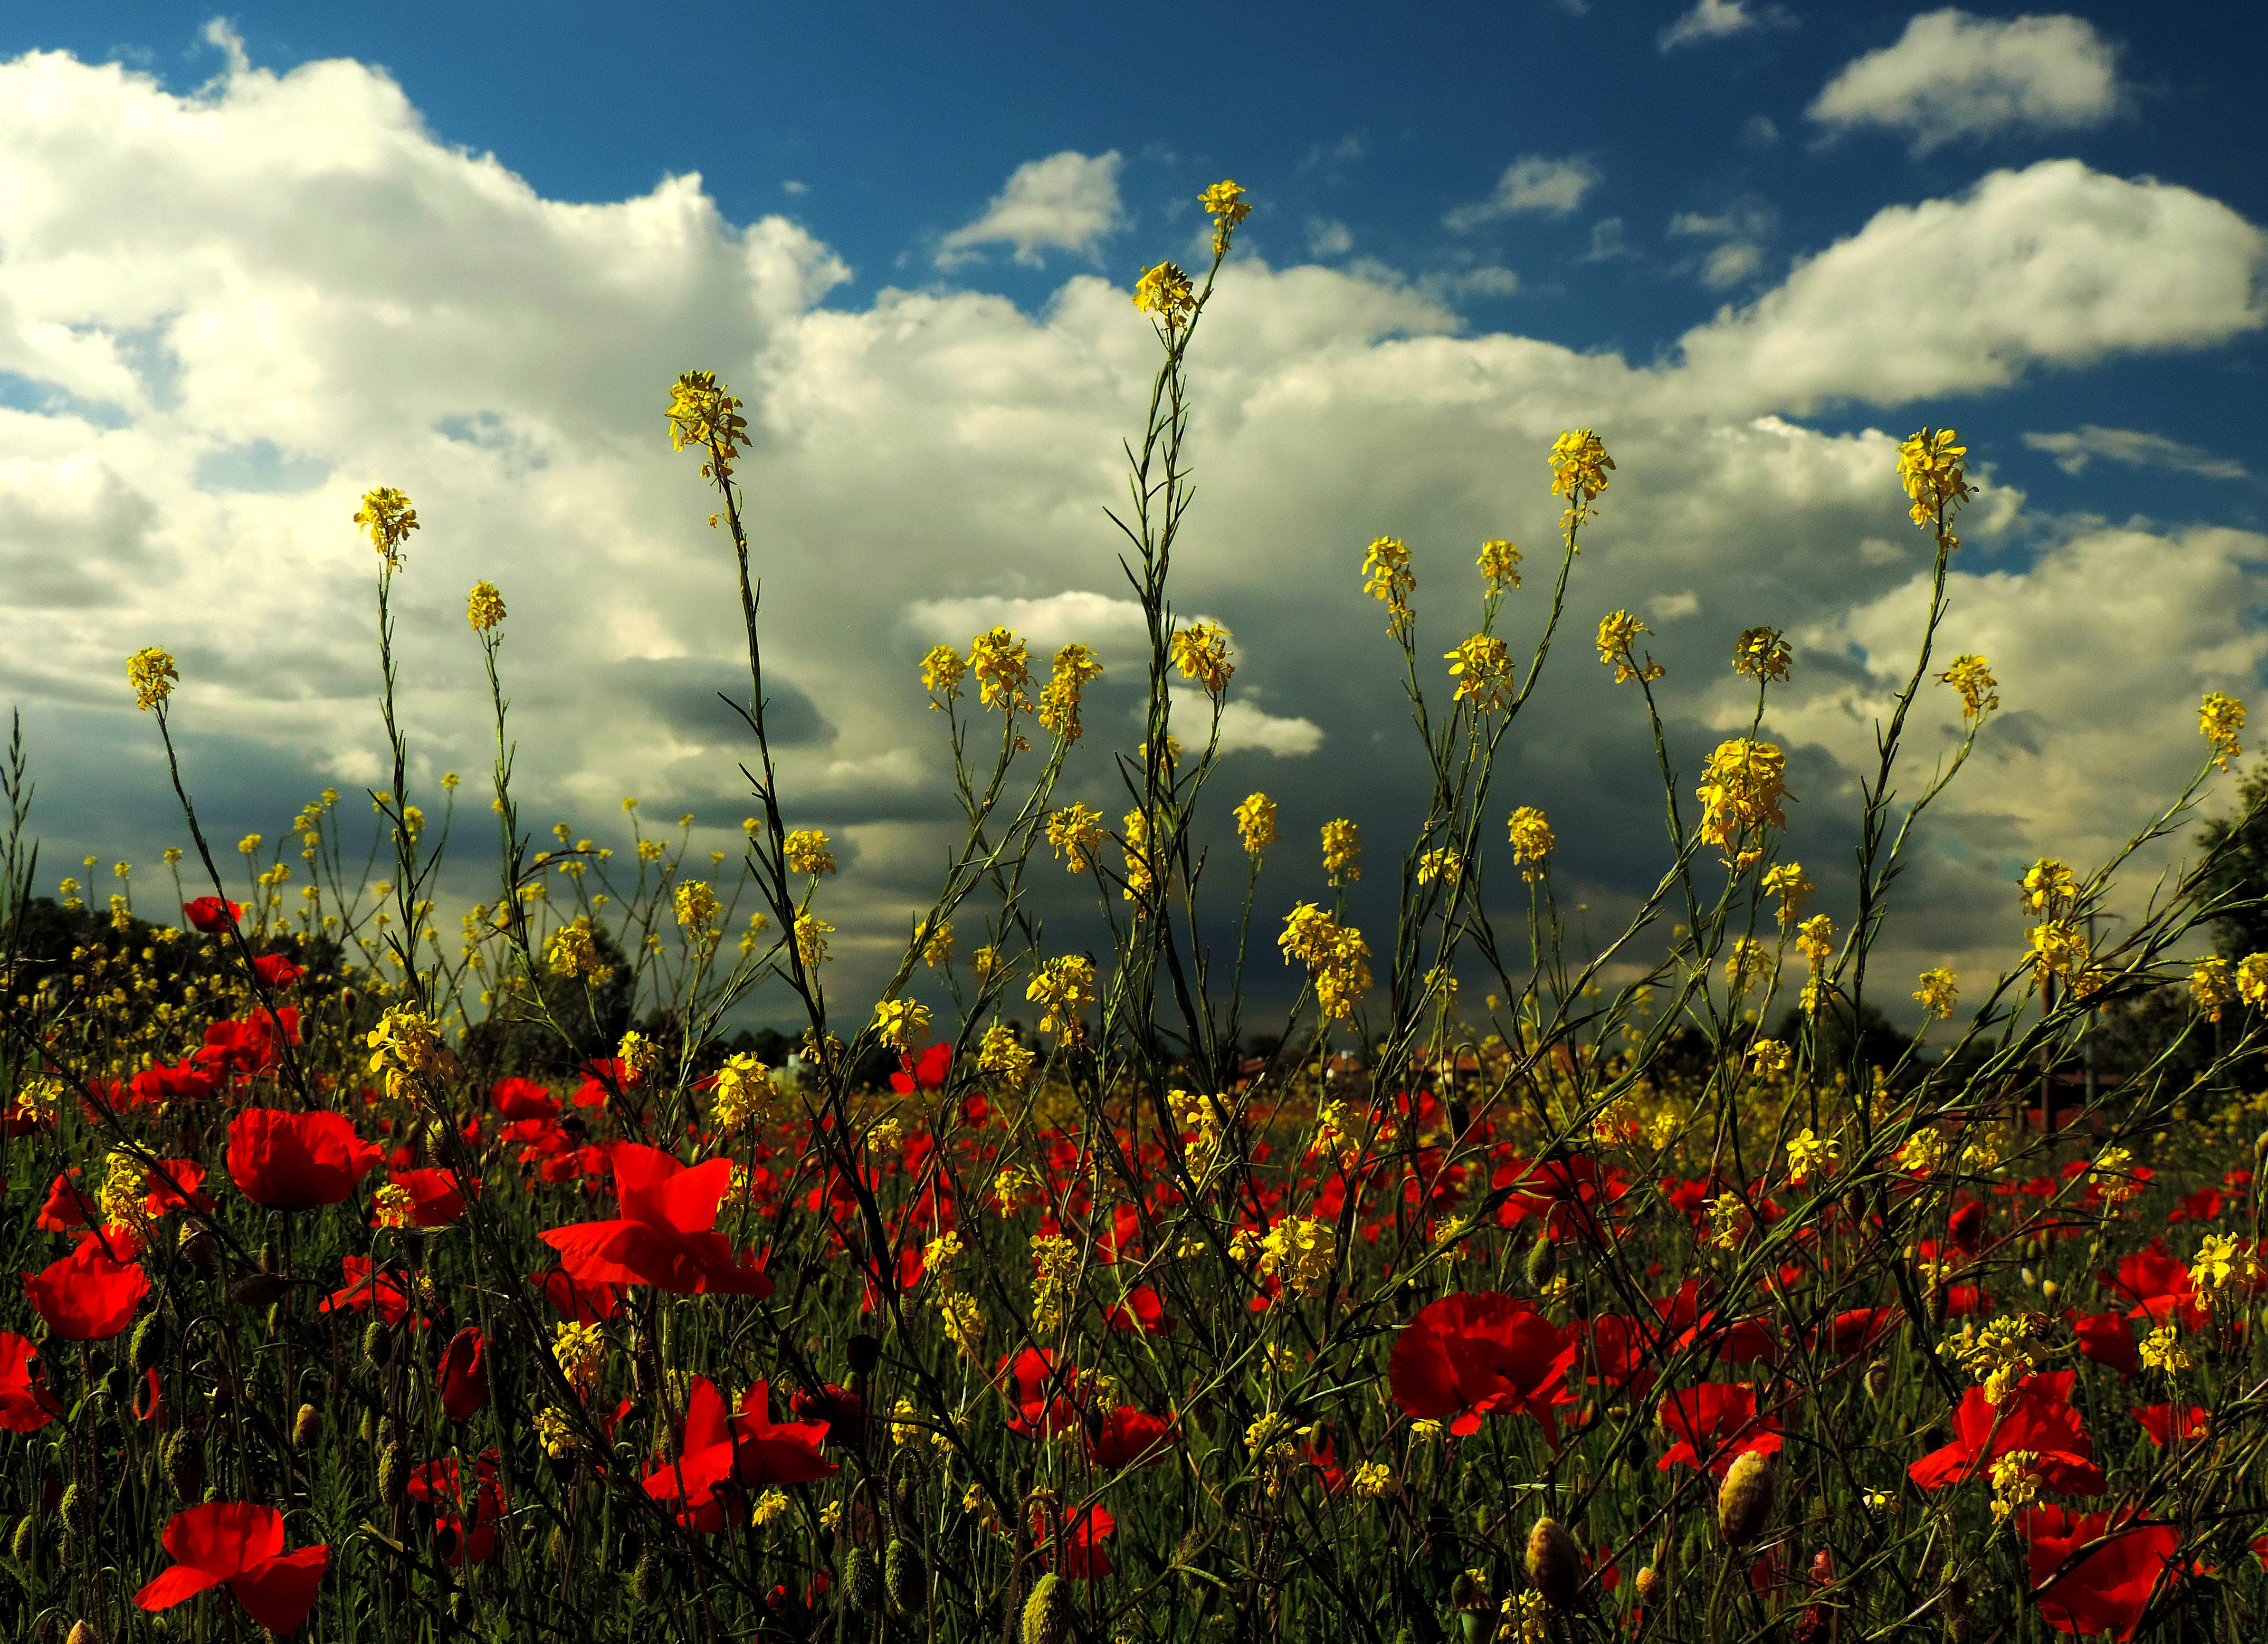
2238, 873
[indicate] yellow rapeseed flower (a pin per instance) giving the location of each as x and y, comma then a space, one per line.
1075, 666
1482, 671
1972, 678
151, 671
1201, 652
1342, 851
389, 517
808, 851
1937, 993
1532, 842
1499, 563
942, 669
483, 607
997, 657
2220, 718
1256, 824
1387, 578
1761, 653
1618, 633
1167, 292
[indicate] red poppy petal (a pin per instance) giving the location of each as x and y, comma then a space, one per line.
279, 1593
174, 1585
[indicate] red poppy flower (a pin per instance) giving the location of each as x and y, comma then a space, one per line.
2035, 1416
924, 1072
1468, 1354
2158, 1422
176, 1184
2108, 1338
297, 1161
361, 1289
87, 1297
1716, 1423
464, 1374
2107, 1589
748, 1452
1079, 1554
1854, 1331
184, 1083
239, 1545
523, 1098
665, 1236
434, 1200
25, 1404
1142, 1310
68, 1206
1127, 1437
1045, 1393
212, 915
2159, 1285
276, 969
843, 1414
440, 1485
577, 1303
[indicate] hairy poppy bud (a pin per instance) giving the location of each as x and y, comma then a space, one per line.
77, 1510
1953, 1604
378, 1344
1653, 1588
306, 1427
185, 1466
149, 1343
83, 1632
1542, 1261
393, 1475
862, 1580
865, 1353
198, 1248
24, 1546
905, 1578
1878, 1379
645, 1579
257, 1290
1555, 1563
1047, 1612
1744, 1500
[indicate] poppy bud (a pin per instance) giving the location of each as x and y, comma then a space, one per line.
555, 1549
77, 1511
1953, 1604
865, 1353
1555, 1564
223, 1399
643, 1579
1047, 1612
185, 1466
117, 1385
2049, 1290
268, 1258
1653, 1588
24, 1546
393, 1475
1878, 1379
307, 1428
862, 1582
83, 1632
149, 1343
1543, 1259
1744, 1500
905, 1578
257, 1290
199, 1247
378, 1344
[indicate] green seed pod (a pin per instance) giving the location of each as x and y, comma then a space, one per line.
24, 1546
862, 1582
267, 1262
1047, 1612
83, 1632
393, 1475
378, 1344
307, 1428
274, 1318
369, 1427
149, 1344
1543, 1262
905, 1578
1555, 1564
117, 1385
554, 1550
1744, 1500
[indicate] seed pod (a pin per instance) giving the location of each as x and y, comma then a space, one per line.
307, 1428
24, 1546
1744, 1500
862, 1580
257, 1290
1542, 1261
555, 1549
378, 1344
393, 1475
199, 1248
274, 1318
1555, 1563
117, 1385
1653, 1588
905, 1578
1878, 1380
223, 1399
2049, 1290
643, 1579
185, 1466
267, 1262
1047, 1612
149, 1343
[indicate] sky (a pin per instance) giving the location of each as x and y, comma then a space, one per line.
252, 265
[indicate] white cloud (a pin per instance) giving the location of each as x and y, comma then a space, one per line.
1245, 727
1717, 19
1742, 226
1608, 241
1327, 236
1067, 202
1531, 183
1669, 607
794, 188
2074, 450
1952, 76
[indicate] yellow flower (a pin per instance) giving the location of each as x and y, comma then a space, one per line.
987, 963
1075, 666
1532, 842
2015, 1483
1930, 469
1770, 1058
696, 906
963, 1322
1337, 958
1579, 464
1134, 835
2162, 1350
1342, 851
1618, 631
404, 1041
1761, 654
1224, 203
771, 1506
2223, 1260
556, 1433
941, 674
390, 519
900, 1024
702, 412
1303, 1252
2049, 887
1165, 291
1742, 788
1807, 1153
1063, 989
995, 657
1074, 831
2253, 978
572, 952
1256, 824
1972, 678
1482, 671
640, 1056
2212, 988
2112, 1175
483, 607
580, 1351
2220, 718
1373, 1481
1788, 881
2059, 948
809, 852
151, 671
1003, 1055
811, 934
937, 951
1201, 652
1387, 577
1499, 563
395, 1206
1440, 863
741, 1092
1937, 993
1728, 1213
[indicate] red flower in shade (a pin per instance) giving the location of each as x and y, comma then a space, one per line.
924, 1072
1127, 1437
239, 1545
68, 1206
25, 1404
2159, 1285
1078, 1554
749, 1451
464, 1374
1467, 1354
577, 1303
1046, 1394
184, 1083
2158, 1422
276, 969
2108, 1338
1856, 1331
434, 1200
176, 1184
209, 914
843, 1414
296, 1160
87, 1297
440, 1485
1715, 1423
2107, 1589
523, 1098
361, 1288
2035, 1416
1143, 1310
667, 1234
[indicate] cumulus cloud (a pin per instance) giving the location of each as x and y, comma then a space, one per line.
2075, 448
1067, 202
1952, 75
1531, 183
1716, 19
229, 314
1742, 228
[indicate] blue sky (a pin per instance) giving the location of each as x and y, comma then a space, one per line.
297, 251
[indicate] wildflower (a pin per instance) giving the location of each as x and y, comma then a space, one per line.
2105, 1592
942, 670
741, 1092
1923, 1152
555, 1432
2161, 1350
1788, 881
702, 412
1815, 939
1470, 1354
1807, 1153
86, 1296
1972, 677
1134, 836
1336, 955
963, 1322
1484, 672
1746, 963
1998, 1357
811, 934
2059, 948
2211, 988
696, 906
2253, 978
2224, 1261
1342, 851
1532, 842
238, 1545
1770, 1059
2033, 1417
997, 657
1075, 666
2111, 1175
1063, 989
1201, 652
1074, 831
1004, 1056
1302, 1252
1930, 469
901, 1022
2015, 1485
390, 519
1387, 577
2220, 718
1270, 1435
572, 952
151, 671
809, 852
1524, 1618
987, 962
1742, 788
1499, 563
1728, 1215
639, 1055
1618, 631
666, 1236
393, 1206
937, 947
1937, 994
2049, 885
1165, 291
1373, 1481
1224, 203
1441, 863
1761, 654
294, 1161
483, 607
1256, 824
1579, 464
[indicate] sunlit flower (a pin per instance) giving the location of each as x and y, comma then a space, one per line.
151, 671
1004, 1056
1225, 204
995, 657
2220, 718
1482, 671
1972, 678
696, 906
1937, 993
1387, 577
1787, 880
1075, 667
942, 670
1741, 790
809, 851
1808, 1155
1256, 824
2211, 988
1165, 291
484, 607
390, 519
811, 935
1761, 654
1618, 631
1499, 563
1342, 851
1930, 469
1201, 652
1532, 842
1063, 989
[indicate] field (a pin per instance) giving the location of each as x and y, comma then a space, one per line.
388, 1280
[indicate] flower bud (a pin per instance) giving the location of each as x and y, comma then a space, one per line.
1744, 1500
24, 1545
1555, 1564
77, 1511
185, 1466
1542, 1261
149, 1343
643, 1579
307, 1428
862, 1579
1878, 1380
1653, 1588
905, 1578
2049, 1291
257, 1290
865, 1353
378, 1344
83, 1632
1047, 1612
393, 1475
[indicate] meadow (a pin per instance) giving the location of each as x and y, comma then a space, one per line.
392, 1272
